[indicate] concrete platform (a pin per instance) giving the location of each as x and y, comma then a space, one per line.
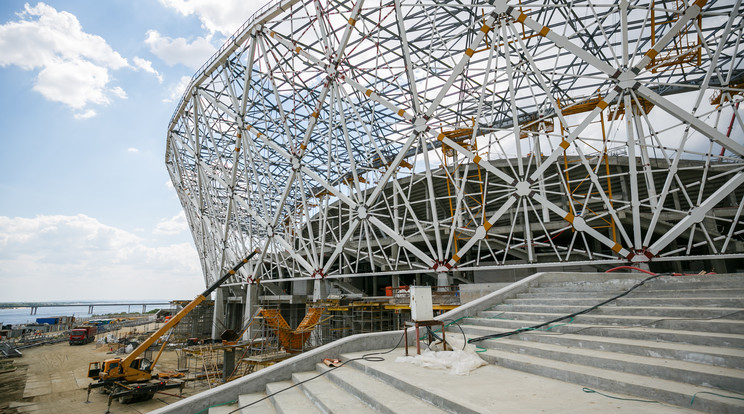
396, 387
493, 389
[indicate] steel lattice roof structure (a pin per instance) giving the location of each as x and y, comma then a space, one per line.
399, 137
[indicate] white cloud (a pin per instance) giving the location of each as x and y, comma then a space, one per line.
179, 50
177, 90
223, 17
119, 92
74, 83
85, 115
174, 225
78, 257
132, 150
146, 65
73, 65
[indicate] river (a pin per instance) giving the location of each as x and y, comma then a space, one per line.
14, 316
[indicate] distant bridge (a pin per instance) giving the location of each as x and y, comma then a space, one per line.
35, 306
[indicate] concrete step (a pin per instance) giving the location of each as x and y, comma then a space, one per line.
660, 335
246, 405
660, 283
289, 400
641, 292
223, 409
601, 295
662, 312
589, 286
665, 391
414, 386
700, 325
327, 396
699, 282
631, 301
494, 389
669, 369
252, 405
710, 355
382, 397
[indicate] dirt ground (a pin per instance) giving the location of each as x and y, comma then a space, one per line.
53, 379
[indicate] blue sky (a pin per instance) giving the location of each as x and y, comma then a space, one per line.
88, 88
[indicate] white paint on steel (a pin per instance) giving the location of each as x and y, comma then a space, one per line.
349, 139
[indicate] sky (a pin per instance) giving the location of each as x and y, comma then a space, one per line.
87, 88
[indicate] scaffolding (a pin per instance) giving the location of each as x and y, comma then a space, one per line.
685, 47
291, 340
203, 363
272, 338
340, 323
370, 317
196, 324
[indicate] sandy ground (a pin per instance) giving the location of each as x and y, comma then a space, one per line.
53, 379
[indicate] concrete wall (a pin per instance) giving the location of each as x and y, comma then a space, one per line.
517, 274
472, 291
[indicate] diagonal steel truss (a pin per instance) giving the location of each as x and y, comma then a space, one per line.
400, 137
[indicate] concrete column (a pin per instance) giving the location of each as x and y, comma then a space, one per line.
228, 364
251, 306
320, 289
218, 321
443, 279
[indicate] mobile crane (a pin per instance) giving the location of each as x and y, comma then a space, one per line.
130, 379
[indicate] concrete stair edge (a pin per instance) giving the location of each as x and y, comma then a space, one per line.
411, 389
287, 399
715, 356
631, 301
693, 372
638, 293
670, 392
734, 313
734, 279
719, 325
661, 335
327, 396
371, 390
726, 327
262, 407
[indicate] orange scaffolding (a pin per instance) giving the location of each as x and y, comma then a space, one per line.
292, 340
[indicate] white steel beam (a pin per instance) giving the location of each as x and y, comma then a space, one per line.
697, 214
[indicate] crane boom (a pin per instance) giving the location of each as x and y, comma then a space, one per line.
114, 374
182, 313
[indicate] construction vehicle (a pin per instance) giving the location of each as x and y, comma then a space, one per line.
130, 379
83, 335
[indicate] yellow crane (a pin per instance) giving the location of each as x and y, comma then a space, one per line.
130, 379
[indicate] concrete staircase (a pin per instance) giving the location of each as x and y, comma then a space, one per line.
351, 389
668, 340
673, 345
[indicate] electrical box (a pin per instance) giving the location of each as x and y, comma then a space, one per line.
421, 308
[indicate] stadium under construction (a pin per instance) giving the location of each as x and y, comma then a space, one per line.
366, 146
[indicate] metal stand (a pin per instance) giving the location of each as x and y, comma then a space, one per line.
416, 325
